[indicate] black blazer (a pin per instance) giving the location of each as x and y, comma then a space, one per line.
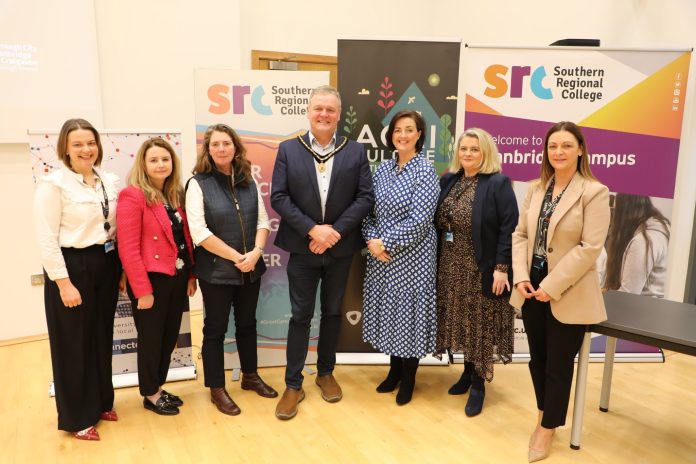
494, 218
295, 196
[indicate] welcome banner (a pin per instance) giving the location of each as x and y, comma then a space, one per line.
119, 152
377, 79
264, 108
630, 104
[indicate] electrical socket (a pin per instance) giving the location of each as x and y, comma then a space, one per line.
37, 279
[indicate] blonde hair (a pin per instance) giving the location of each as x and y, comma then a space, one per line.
583, 166
490, 160
172, 192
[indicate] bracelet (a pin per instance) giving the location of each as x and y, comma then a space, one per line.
261, 249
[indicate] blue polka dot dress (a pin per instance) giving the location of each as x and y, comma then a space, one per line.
399, 314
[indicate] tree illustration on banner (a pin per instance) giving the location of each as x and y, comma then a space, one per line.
446, 140
351, 119
386, 93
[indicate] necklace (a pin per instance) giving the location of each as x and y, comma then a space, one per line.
322, 159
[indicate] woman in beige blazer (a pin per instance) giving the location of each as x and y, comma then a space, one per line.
562, 228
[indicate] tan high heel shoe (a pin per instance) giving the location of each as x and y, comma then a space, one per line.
537, 455
534, 454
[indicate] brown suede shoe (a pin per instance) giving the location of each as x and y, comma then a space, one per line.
254, 382
287, 406
221, 399
330, 389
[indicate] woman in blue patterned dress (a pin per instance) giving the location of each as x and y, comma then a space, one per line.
399, 290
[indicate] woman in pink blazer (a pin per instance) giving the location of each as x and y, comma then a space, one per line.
562, 228
157, 255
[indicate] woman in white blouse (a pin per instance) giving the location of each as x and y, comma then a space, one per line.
75, 210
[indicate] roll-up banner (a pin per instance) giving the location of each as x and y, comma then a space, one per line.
378, 78
264, 108
120, 148
630, 105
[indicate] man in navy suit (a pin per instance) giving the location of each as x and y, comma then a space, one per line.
322, 190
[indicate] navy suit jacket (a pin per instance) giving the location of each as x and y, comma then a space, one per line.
494, 218
295, 196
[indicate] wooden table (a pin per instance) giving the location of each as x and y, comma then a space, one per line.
652, 321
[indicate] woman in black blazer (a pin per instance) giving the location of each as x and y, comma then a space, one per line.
476, 215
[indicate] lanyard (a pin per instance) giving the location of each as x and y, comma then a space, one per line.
549, 205
465, 184
104, 205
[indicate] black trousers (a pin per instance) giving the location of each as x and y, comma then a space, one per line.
81, 338
218, 299
158, 328
552, 348
304, 274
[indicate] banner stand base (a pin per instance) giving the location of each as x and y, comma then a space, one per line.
130, 379
380, 358
659, 357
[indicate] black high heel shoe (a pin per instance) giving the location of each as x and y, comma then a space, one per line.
408, 381
393, 377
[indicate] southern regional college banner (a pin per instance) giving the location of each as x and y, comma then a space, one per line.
629, 104
264, 108
378, 78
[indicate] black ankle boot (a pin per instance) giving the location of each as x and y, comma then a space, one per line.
408, 381
474, 405
393, 377
464, 382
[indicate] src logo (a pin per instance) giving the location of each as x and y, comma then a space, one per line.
496, 76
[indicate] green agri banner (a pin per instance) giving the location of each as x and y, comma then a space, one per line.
376, 79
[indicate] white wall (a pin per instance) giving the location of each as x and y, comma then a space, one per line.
148, 51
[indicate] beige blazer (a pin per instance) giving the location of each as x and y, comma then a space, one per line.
577, 231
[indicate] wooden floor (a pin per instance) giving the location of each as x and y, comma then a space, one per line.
652, 419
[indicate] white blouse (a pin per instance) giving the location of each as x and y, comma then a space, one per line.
68, 214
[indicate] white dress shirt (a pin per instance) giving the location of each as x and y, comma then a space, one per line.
323, 178
195, 212
68, 214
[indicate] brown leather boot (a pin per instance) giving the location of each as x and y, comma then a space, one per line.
254, 382
221, 399
287, 406
330, 389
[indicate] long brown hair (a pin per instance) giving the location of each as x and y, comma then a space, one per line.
69, 126
547, 170
240, 164
631, 213
172, 191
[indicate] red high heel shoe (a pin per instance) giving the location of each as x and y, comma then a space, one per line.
89, 433
109, 416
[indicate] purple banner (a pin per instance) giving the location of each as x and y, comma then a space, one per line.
628, 163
